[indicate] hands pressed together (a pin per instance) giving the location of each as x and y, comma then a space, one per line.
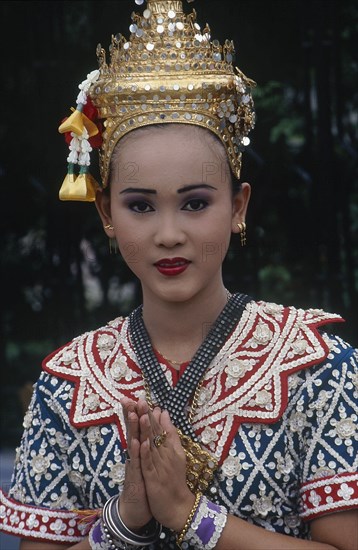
155, 477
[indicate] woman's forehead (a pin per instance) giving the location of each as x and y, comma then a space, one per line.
173, 138
172, 153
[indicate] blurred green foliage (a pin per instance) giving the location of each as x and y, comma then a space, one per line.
58, 278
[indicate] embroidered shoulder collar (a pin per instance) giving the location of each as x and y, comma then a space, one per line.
246, 382
103, 367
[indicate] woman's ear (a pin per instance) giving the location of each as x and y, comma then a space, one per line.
103, 205
239, 206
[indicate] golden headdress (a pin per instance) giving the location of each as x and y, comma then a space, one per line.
168, 71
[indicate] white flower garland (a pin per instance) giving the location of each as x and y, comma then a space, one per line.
80, 147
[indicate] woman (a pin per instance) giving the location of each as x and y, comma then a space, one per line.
220, 421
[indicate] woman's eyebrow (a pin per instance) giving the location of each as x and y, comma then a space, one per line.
137, 190
196, 186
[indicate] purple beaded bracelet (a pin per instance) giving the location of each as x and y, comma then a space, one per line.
208, 523
96, 537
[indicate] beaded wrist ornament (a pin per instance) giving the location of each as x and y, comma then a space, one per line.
96, 537
206, 527
183, 532
168, 71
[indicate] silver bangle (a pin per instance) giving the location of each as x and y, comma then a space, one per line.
117, 530
117, 544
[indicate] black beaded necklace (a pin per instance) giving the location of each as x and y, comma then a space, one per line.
175, 399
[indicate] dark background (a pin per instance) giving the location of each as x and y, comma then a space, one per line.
58, 277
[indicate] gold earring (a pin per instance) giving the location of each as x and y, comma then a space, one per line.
242, 228
112, 242
113, 246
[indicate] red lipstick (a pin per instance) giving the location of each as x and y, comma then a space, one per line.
172, 266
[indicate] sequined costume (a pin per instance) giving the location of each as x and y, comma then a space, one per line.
278, 408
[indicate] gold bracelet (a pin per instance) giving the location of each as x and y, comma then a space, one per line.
182, 534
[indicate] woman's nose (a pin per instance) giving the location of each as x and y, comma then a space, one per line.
169, 232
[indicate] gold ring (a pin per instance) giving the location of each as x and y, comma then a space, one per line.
158, 440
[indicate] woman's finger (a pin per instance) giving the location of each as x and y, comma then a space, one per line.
131, 421
128, 406
134, 507
145, 428
154, 418
144, 411
133, 427
142, 407
167, 425
157, 411
133, 463
152, 430
149, 471
133, 473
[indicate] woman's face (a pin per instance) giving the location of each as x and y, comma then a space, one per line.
172, 209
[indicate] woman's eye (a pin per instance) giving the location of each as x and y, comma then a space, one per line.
195, 204
141, 207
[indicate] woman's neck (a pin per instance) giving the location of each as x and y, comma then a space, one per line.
177, 329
